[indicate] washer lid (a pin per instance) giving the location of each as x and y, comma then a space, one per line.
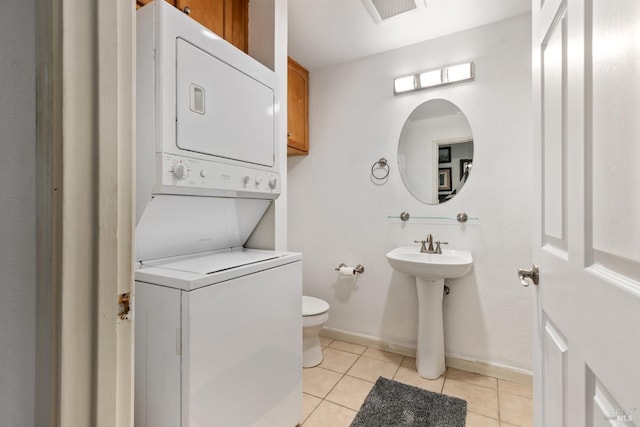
313, 306
195, 271
173, 225
220, 261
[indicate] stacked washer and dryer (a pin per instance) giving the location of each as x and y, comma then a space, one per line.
218, 325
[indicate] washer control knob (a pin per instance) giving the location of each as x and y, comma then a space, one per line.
203, 173
181, 170
258, 181
246, 179
273, 182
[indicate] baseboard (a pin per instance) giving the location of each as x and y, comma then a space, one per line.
507, 373
369, 341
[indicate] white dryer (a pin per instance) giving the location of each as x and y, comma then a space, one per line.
218, 325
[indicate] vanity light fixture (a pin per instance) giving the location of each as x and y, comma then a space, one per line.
432, 78
429, 79
404, 84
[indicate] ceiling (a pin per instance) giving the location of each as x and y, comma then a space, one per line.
328, 32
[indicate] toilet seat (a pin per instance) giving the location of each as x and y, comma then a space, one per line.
313, 306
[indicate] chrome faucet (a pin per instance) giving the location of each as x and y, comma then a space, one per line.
425, 249
429, 249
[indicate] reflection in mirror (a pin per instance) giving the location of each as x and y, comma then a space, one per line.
435, 151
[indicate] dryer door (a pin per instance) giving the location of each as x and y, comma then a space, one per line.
220, 110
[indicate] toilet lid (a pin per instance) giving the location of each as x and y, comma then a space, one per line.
312, 306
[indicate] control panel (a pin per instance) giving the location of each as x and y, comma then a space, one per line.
183, 175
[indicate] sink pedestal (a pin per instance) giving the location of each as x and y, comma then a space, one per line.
430, 271
430, 352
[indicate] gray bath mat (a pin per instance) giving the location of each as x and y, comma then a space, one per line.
393, 404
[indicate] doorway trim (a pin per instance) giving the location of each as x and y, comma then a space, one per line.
85, 190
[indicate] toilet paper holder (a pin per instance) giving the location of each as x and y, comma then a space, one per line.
357, 269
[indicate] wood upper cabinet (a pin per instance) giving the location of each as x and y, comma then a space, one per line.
236, 23
297, 109
209, 13
227, 18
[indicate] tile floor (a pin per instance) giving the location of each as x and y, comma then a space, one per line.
334, 390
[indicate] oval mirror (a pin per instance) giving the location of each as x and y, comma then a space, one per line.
435, 151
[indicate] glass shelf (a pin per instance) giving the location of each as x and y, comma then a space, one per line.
439, 218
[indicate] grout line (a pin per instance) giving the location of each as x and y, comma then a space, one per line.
498, 393
314, 409
397, 369
486, 416
343, 374
359, 379
477, 385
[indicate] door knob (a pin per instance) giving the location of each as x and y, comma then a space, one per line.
533, 274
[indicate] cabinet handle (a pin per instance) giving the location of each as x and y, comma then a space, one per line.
187, 10
288, 134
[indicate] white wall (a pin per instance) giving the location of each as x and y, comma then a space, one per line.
337, 213
17, 214
268, 32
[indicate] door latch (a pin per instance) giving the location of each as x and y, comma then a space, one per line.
533, 274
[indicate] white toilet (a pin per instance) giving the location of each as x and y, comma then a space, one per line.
315, 313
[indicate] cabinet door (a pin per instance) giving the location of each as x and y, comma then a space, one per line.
209, 13
298, 109
236, 19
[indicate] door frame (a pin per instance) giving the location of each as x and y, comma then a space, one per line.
85, 191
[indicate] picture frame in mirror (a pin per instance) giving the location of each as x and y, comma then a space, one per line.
444, 179
444, 154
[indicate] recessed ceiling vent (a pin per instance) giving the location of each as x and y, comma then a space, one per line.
381, 10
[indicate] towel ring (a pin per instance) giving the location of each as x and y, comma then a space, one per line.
380, 164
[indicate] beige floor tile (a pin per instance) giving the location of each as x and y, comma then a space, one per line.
410, 376
318, 381
516, 410
370, 369
481, 400
350, 392
524, 390
329, 414
476, 420
347, 346
309, 403
409, 362
324, 341
386, 356
472, 378
337, 360
506, 425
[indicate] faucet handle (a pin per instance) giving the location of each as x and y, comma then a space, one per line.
438, 249
423, 248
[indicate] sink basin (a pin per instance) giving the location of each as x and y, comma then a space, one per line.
430, 272
450, 264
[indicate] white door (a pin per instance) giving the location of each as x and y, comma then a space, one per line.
586, 92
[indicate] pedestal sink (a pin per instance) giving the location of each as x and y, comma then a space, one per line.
430, 271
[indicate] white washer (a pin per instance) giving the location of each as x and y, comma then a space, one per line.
221, 336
